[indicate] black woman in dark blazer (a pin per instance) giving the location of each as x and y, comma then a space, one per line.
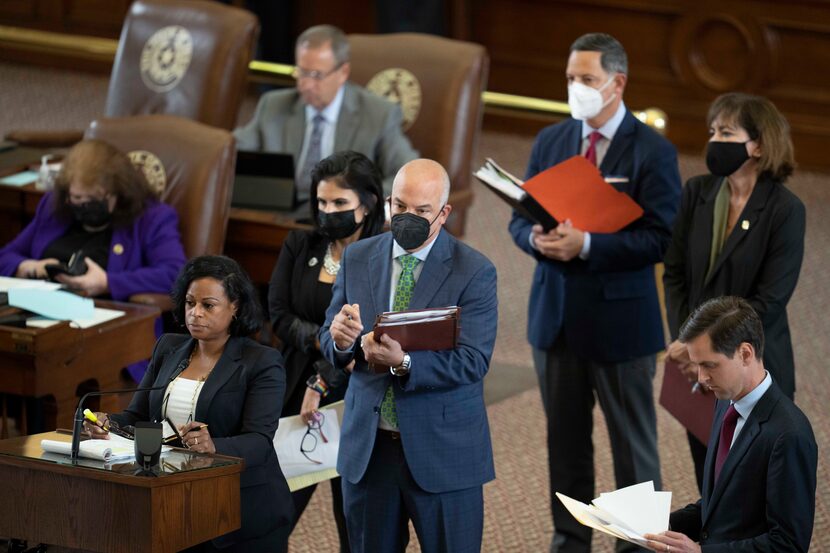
740, 232
219, 378
346, 205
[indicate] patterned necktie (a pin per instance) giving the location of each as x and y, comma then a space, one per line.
312, 158
403, 295
727, 431
591, 152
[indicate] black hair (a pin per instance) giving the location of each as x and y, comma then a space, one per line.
613, 58
238, 287
353, 171
729, 321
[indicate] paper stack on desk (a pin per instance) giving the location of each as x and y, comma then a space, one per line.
627, 513
421, 329
116, 448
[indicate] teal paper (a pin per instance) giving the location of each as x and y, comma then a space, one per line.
19, 179
53, 304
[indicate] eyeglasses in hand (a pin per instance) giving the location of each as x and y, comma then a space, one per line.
309, 442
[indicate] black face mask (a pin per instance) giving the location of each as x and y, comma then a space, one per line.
724, 158
94, 213
410, 231
337, 225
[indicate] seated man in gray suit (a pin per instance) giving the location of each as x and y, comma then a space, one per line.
326, 114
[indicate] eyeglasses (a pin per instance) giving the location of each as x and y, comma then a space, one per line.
299, 73
309, 442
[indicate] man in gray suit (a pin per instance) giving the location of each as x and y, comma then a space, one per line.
325, 114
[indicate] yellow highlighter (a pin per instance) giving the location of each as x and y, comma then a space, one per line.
90, 416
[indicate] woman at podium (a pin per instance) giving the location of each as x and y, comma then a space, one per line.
739, 232
101, 231
223, 392
346, 204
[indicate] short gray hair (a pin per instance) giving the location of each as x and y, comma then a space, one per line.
317, 36
612, 54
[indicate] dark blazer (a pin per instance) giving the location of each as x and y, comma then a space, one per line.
297, 303
607, 304
241, 400
760, 263
764, 499
440, 404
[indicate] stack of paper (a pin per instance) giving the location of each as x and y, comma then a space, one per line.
509, 188
627, 513
116, 448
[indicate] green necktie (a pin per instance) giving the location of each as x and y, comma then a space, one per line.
403, 295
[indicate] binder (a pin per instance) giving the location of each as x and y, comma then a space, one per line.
509, 189
433, 329
573, 189
694, 410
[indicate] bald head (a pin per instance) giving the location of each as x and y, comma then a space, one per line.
426, 175
422, 188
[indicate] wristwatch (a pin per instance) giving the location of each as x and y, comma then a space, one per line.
317, 384
403, 368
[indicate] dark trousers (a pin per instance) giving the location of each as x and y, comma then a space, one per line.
379, 507
570, 386
303, 496
275, 541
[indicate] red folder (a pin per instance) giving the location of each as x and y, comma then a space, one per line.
575, 190
694, 410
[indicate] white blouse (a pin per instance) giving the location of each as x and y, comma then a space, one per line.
181, 398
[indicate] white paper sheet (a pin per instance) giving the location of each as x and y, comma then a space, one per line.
99, 316
7, 283
293, 463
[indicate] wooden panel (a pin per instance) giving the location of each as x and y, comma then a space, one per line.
681, 56
21, 10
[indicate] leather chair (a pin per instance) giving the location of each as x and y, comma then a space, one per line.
444, 79
193, 167
180, 57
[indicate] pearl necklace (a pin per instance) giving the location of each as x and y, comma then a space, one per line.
331, 266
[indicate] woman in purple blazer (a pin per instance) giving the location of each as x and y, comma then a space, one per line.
104, 208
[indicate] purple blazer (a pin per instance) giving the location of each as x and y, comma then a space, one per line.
143, 257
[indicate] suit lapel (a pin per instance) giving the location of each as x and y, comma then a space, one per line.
619, 145
436, 270
348, 120
701, 240
294, 131
228, 364
746, 222
380, 279
752, 427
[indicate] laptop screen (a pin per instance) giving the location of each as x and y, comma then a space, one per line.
264, 181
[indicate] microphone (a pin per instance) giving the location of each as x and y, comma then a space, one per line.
78, 421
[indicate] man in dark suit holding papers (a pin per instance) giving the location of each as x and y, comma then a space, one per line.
415, 442
594, 320
759, 482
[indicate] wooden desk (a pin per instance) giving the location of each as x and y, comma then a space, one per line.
96, 506
36, 362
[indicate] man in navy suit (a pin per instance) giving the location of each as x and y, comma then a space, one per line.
594, 320
415, 442
759, 483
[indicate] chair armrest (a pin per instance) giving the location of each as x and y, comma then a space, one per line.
162, 301
46, 139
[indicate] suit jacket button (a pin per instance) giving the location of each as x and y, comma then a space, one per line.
704, 536
376, 410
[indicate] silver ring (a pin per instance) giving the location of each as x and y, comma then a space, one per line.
668, 548
196, 442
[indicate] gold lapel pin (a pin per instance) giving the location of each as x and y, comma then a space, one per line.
118, 249
745, 224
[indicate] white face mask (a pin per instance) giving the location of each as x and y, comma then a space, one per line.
586, 102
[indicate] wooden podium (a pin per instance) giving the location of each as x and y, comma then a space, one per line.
96, 506
35, 362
